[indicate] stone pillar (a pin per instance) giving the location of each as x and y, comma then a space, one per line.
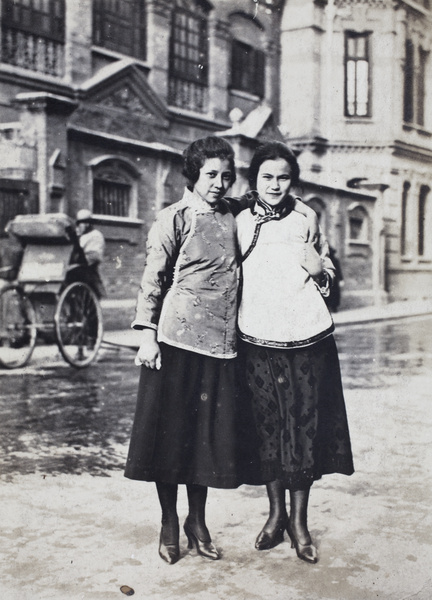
273, 71
158, 37
219, 68
302, 29
79, 23
47, 115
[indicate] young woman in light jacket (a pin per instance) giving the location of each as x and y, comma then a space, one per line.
289, 353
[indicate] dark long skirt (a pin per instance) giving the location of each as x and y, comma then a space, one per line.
300, 413
192, 425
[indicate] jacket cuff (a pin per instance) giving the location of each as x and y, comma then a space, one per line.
136, 324
324, 283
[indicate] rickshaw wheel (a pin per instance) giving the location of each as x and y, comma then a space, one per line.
78, 324
17, 327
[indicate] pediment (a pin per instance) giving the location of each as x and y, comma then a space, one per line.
269, 131
119, 100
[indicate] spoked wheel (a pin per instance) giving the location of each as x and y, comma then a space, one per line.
17, 327
78, 324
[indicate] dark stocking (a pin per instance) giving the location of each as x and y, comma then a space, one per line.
197, 497
298, 515
167, 493
278, 513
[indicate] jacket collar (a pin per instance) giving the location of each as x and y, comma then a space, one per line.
199, 205
265, 212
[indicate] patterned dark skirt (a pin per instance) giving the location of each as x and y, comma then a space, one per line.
300, 413
192, 425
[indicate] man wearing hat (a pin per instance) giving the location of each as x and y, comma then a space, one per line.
92, 244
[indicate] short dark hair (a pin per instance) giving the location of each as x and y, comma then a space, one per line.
272, 151
195, 155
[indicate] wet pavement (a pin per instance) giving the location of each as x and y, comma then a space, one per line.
56, 419
75, 528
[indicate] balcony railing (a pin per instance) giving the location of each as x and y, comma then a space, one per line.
188, 95
32, 52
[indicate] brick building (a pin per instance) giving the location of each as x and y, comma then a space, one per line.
98, 98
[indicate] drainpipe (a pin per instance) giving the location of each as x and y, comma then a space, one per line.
326, 87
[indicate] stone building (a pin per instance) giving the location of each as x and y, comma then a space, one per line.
360, 115
98, 98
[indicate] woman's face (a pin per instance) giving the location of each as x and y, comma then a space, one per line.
214, 179
274, 180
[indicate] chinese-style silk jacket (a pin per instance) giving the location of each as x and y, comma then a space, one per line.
189, 287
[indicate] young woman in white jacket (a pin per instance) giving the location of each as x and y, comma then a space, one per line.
290, 357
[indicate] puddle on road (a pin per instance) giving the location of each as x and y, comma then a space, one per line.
61, 420
378, 355
68, 421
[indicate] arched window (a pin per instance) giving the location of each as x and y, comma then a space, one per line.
247, 55
358, 224
33, 35
115, 188
422, 219
188, 63
404, 218
120, 26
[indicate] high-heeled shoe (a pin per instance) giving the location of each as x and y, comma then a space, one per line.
270, 539
170, 553
206, 549
306, 552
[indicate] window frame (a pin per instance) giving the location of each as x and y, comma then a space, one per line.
17, 197
423, 206
361, 214
188, 63
423, 56
348, 59
250, 62
414, 90
49, 24
135, 23
119, 174
404, 219
409, 81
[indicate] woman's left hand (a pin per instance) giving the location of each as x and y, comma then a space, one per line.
311, 260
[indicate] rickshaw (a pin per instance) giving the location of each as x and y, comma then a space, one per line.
44, 300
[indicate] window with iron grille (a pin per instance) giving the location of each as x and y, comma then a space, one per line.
188, 72
111, 198
33, 35
247, 69
357, 75
16, 198
120, 25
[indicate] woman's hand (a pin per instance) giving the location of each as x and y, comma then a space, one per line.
311, 260
149, 353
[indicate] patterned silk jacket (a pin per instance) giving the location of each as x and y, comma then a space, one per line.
189, 287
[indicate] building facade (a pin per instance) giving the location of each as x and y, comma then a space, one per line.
363, 73
98, 98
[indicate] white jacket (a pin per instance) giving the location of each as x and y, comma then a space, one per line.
281, 305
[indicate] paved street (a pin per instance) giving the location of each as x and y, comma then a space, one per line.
73, 527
